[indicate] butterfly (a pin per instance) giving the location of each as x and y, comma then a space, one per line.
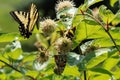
70, 33
60, 61
26, 20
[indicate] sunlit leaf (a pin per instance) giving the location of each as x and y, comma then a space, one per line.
112, 2
94, 61
14, 54
32, 73
77, 19
88, 31
29, 57
91, 2
114, 59
90, 21
100, 73
88, 3
101, 70
116, 72
2, 58
42, 40
8, 37
116, 20
105, 42
73, 70
105, 14
3, 76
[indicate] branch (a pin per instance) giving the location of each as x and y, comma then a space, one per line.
15, 69
107, 31
11, 66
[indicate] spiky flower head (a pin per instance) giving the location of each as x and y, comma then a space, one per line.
48, 26
63, 45
64, 4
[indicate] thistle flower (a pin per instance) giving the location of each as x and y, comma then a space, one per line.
63, 45
65, 12
48, 26
64, 4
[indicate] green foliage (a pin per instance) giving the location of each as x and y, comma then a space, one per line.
94, 54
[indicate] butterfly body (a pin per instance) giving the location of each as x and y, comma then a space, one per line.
26, 20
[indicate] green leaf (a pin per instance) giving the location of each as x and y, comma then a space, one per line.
91, 2
32, 73
106, 14
8, 37
90, 21
105, 42
77, 19
3, 76
15, 75
112, 2
116, 20
88, 3
29, 58
7, 70
14, 54
116, 72
2, 58
101, 70
114, 59
94, 61
88, 31
85, 30
73, 58
71, 70
43, 41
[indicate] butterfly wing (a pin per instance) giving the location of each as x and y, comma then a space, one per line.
33, 15
60, 61
26, 20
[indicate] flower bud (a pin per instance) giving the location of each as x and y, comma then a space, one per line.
63, 45
48, 26
64, 4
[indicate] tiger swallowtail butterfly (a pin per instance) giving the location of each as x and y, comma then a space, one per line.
26, 20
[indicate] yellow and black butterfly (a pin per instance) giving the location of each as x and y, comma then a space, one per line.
26, 20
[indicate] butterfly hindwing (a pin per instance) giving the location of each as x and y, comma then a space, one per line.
26, 20
60, 61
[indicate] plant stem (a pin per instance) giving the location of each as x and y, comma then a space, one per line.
11, 66
15, 69
80, 52
85, 75
107, 31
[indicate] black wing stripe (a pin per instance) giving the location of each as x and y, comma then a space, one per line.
12, 13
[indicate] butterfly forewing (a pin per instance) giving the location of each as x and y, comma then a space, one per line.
21, 18
33, 17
